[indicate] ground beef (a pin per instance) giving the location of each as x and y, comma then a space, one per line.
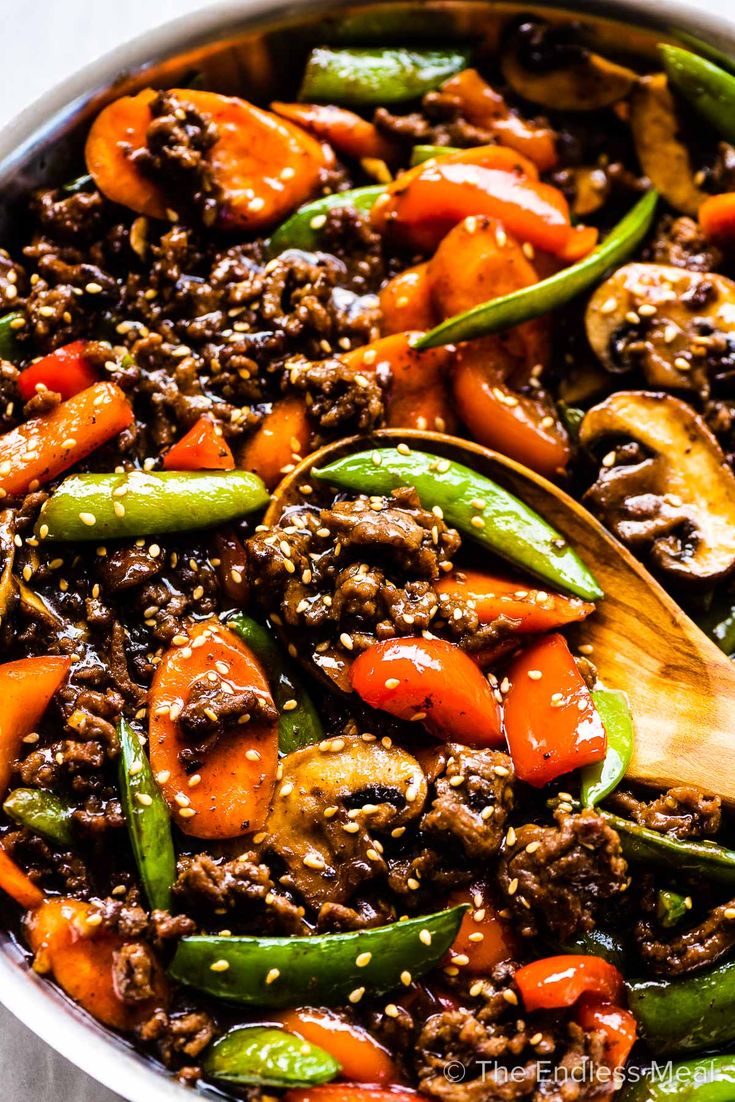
210, 712
690, 950
52, 869
241, 888
133, 972
474, 796
179, 1037
683, 812
552, 1060
556, 878
680, 241
340, 400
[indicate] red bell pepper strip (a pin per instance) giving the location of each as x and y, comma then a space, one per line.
17, 885
618, 1025
484, 939
361, 1057
352, 1092
485, 107
280, 441
44, 447
348, 134
553, 982
537, 610
422, 205
203, 448
430, 681
551, 722
26, 687
66, 371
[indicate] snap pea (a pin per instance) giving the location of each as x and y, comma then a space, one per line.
298, 724
671, 907
719, 624
600, 779
321, 970
709, 89
8, 348
42, 812
147, 819
504, 525
303, 229
572, 417
263, 1056
548, 294
79, 183
703, 859
144, 503
421, 153
708, 1079
686, 1014
360, 76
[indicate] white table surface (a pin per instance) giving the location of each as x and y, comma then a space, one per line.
50, 40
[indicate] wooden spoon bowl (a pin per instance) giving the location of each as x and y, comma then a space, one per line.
681, 687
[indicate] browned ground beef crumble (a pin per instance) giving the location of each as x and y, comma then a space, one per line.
188, 321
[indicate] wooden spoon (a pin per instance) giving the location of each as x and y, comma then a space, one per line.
681, 687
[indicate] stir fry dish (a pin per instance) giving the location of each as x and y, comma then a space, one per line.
309, 781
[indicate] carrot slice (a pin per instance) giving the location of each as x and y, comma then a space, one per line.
406, 303
26, 688
80, 957
360, 1055
493, 597
17, 885
39, 450
349, 134
238, 773
264, 166
279, 441
417, 396
484, 937
203, 448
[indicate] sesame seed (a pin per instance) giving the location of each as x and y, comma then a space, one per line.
252, 755
135, 769
346, 641
219, 966
289, 705
272, 975
314, 861
476, 989
425, 937
537, 1037
535, 675
164, 775
510, 838
510, 997
86, 518
194, 780
729, 912
187, 812
500, 771
609, 459
513, 886
94, 920
391, 1010
182, 799
318, 221
363, 959
356, 995
287, 788
461, 960
532, 847
143, 799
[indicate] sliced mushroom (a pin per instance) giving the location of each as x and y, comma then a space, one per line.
673, 324
663, 155
331, 800
678, 496
585, 82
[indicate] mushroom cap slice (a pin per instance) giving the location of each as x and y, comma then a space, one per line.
663, 155
330, 800
587, 85
682, 499
662, 319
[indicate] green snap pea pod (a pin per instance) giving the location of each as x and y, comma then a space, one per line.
599, 943
359, 76
505, 524
671, 907
422, 153
147, 818
708, 1079
572, 417
322, 970
264, 1056
600, 779
303, 229
548, 294
709, 89
686, 1014
42, 812
8, 349
144, 503
703, 859
719, 624
298, 721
